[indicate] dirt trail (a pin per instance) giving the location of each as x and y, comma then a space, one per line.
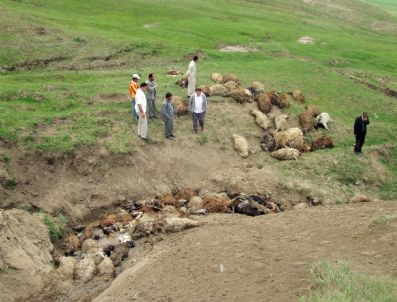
267, 258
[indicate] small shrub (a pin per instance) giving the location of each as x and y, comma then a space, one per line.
383, 219
5, 158
202, 139
56, 226
79, 40
11, 183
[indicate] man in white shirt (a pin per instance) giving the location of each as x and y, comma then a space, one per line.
140, 108
198, 107
191, 76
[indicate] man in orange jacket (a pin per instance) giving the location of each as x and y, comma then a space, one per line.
133, 86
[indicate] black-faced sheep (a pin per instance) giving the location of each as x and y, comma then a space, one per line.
322, 121
268, 142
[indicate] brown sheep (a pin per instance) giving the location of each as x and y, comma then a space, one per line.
313, 109
216, 203
297, 95
180, 105
109, 220
168, 200
230, 77
279, 100
231, 85
264, 103
184, 82
185, 193
306, 121
241, 95
322, 143
218, 89
206, 90
72, 244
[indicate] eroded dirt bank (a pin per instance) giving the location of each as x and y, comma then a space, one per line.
79, 184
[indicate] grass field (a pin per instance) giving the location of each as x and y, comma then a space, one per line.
60, 59
338, 283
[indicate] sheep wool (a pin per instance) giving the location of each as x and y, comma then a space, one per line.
217, 77
292, 137
264, 103
261, 119
285, 154
218, 89
240, 145
280, 122
180, 106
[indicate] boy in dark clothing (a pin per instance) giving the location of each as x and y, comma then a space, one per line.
360, 130
167, 115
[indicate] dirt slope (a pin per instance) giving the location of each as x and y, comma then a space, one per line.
236, 258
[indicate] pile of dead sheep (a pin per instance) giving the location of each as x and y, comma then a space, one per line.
284, 143
96, 250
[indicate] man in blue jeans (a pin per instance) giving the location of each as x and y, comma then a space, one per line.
198, 107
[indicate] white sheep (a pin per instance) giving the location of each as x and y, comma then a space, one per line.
322, 121
285, 154
280, 122
261, 119
241, 145
292, 137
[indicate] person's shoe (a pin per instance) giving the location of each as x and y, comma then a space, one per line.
195, 131
172, 135
170, 138
144, 138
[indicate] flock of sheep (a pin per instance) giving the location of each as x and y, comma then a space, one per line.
283, 142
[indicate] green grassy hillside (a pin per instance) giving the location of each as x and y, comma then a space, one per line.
60, 59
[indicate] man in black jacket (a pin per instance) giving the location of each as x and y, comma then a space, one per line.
360, 130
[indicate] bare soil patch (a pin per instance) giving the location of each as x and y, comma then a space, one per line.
114, 98
237, 48
306, 40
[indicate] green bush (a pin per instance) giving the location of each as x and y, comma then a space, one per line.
56, 226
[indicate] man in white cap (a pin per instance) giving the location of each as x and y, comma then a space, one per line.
140, 108
133, 87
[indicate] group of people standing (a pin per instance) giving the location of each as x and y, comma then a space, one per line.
143, 97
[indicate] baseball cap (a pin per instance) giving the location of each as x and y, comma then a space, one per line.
136, 76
